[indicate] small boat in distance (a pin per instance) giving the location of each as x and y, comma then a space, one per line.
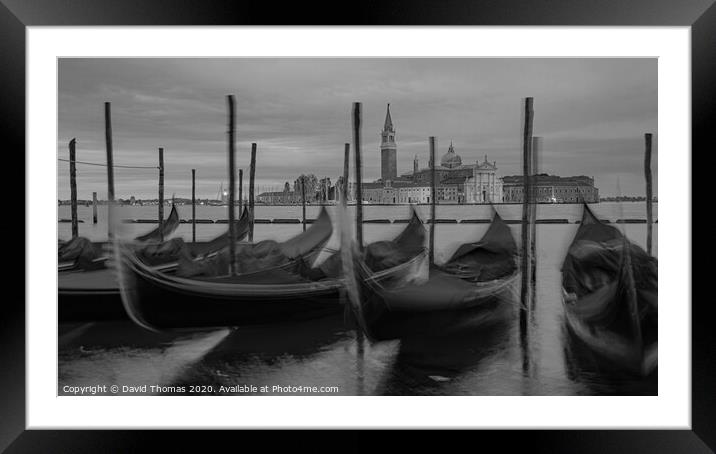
610, 297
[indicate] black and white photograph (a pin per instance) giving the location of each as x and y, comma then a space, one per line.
357, 226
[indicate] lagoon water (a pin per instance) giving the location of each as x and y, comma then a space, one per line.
325, 353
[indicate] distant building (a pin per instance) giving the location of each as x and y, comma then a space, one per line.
408, 192
552, 188
484, 186
388, 150
278, 198
450, 167
458, 182
398, 192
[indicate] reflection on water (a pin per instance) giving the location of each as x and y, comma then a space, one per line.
444, 365
265, 355
327, 353
123, 354
599, 377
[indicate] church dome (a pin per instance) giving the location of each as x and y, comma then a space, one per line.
451, 159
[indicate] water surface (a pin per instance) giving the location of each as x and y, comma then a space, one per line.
326, 353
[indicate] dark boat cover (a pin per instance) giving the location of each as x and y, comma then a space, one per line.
221, 241
490, 258
175, 249
382, 255
79, 250
596, 256
475, 271
264, 255
426, 301
595, 272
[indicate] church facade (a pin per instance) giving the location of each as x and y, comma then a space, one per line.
458, 182
455, 182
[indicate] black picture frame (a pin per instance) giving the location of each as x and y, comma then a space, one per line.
16, 15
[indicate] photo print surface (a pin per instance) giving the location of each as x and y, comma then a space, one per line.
357, 226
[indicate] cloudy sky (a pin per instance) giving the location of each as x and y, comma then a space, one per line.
591, 113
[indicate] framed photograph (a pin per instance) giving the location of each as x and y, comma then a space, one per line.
447, 219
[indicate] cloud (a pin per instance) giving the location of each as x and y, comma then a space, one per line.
592, 114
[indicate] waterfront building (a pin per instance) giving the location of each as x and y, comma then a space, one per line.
450, 167
411, 193
279, 198
484, 186
458, 182
317, 191
408, 192
376, 192
552, 189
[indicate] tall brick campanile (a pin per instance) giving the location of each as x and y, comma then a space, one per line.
388, 157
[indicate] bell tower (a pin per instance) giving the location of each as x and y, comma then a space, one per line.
388, 150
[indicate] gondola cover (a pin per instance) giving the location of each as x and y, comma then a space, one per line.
610, 296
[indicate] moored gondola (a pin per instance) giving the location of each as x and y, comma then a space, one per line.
609, 288
287, 290
81, 253
169, 225
92, 293
472, 291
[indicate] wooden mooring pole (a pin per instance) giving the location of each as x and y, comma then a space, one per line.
252, 176
526, 262
303, 201
94, 208
241, 191
433, 196
232, 185
73, 190
160, 212
534, 171
649, 194
193, 205
110, 168
356, 121
346, 167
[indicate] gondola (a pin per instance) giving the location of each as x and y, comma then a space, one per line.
167, 228
471, 291
166, 254
81, 253
93, 294
289, 291
609, 288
